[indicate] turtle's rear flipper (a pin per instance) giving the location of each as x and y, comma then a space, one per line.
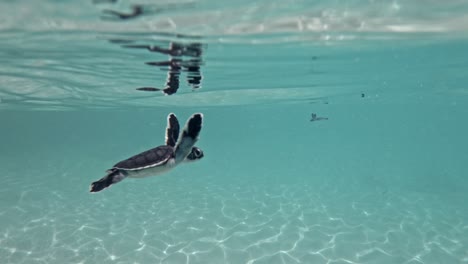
113, 176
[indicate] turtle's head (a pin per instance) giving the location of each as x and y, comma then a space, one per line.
195, 154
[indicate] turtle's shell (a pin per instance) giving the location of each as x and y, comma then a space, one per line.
154, 157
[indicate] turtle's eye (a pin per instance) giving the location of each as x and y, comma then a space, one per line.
197, 152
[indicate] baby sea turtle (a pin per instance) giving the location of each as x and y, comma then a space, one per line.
160, 159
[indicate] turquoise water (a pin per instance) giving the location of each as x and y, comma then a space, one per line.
383, 180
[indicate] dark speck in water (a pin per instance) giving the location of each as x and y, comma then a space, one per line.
314, 117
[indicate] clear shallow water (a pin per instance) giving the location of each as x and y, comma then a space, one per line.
381, 181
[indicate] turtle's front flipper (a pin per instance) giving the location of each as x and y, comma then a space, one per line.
113, 176
172, 130
188, 137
